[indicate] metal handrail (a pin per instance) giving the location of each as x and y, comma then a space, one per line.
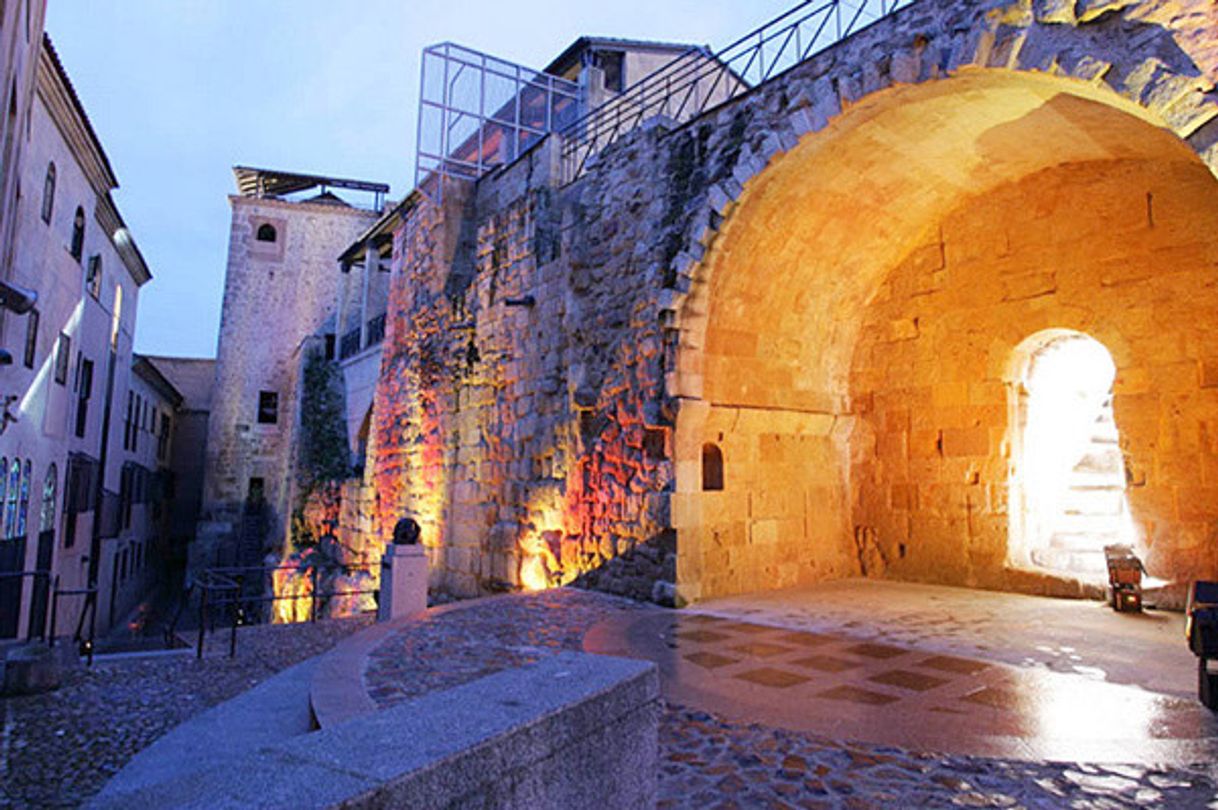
697, 80
222, 586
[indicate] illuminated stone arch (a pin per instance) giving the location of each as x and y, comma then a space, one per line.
838, 192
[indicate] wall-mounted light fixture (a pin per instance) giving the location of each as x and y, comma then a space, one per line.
523, 301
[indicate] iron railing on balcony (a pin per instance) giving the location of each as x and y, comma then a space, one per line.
376, 331
349, 346
697, 81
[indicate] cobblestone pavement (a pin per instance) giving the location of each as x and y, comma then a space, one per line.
707, 762
454, 647
710, 762
58, 749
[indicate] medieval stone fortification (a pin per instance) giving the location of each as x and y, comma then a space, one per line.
788, 340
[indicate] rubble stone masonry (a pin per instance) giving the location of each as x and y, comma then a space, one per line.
825, 280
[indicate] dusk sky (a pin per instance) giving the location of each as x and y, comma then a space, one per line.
179, 91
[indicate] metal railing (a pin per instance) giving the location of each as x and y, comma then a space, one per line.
697, 80
236, 594
45, 627
349, 346
477, 111
376, 330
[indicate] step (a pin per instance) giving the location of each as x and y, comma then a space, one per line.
1087, 563
1100, 463
1075, 523
1086, 542
1104, 501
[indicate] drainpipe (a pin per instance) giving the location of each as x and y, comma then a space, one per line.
95, 544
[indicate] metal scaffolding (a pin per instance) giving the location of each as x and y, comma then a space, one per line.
477, 112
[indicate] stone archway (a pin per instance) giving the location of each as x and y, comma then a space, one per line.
832, 275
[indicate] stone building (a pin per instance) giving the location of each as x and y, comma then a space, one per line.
279, 295
21, 24
73, 361
134, 560
193, 379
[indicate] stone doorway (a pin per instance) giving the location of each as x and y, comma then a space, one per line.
1067, 473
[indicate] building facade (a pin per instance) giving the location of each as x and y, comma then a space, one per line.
21, 23
287, 232
62, 441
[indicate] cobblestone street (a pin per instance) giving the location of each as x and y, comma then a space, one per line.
58, 749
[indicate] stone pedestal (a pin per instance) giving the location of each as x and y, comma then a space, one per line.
403, 582
30, 669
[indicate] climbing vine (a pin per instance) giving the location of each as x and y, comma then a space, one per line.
324, 455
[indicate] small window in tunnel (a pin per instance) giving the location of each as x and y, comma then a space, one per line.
712, 468
653, 444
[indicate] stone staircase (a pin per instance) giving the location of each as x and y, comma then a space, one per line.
1092, 511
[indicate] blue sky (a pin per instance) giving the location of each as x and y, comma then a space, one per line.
181, 90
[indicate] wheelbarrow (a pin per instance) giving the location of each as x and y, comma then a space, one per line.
1201, 630
1124, 578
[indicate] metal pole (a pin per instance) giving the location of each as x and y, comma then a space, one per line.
202, 612
92, 629
54, 609
316, 571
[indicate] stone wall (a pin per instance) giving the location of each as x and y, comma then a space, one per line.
519, 415
1122, 252
558, 356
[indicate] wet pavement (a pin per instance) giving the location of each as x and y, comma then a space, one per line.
881, 693
746, 727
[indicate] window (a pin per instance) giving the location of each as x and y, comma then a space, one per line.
266, 233
46, 516
23, 509
127, 422
268, 407
712, 468
93, 277
135, 427
31, 338
12, 496
84, 391
613, 63
48, 194
126, 495
63, 354
77, 248
162, 441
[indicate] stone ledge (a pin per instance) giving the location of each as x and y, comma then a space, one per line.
573, 730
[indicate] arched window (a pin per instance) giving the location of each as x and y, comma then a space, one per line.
24, 507
48, 194
266, 233
1068, 473
78, 234
46, 515
712, 468
11, 500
